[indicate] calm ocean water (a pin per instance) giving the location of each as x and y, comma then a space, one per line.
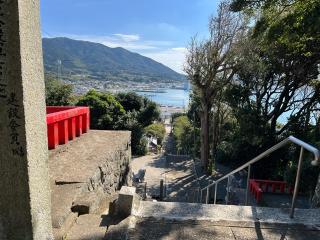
168, 97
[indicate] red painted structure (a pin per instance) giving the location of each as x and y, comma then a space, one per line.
66, 123
257, 187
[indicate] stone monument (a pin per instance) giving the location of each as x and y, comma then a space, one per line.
24, 182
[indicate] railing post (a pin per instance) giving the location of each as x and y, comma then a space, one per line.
296, 186
165, 185
200, 200
228, 184
145, 191
248, 181
198, 194
161, 190
215, 192
207, 197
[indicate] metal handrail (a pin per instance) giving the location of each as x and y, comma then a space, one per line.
290, 139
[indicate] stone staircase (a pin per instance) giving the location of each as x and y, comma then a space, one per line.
176, 220
173, 220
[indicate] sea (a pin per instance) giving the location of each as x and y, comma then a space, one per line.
168, 97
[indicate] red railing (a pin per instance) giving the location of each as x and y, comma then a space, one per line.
258, 187
66, 123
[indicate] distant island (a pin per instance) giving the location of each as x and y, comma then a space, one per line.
88, 65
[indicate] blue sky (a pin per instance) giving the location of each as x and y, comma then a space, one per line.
159, 29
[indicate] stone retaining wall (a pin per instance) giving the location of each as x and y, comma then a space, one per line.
86, 175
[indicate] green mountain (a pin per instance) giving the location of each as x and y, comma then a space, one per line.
73, 59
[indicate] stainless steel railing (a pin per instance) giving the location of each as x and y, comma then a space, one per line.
291, 139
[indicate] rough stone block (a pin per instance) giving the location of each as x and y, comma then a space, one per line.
126, 201
88, 227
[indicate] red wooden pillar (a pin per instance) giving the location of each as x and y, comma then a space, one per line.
63, 132
84, 123
53, 136
88, 119
259, 195
78, 125
72, 128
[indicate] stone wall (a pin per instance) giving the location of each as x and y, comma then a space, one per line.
86, 174
113, 173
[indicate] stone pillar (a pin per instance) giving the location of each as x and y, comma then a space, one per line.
24, 182
127, 201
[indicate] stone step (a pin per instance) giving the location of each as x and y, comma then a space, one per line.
227, 213
151, 229
88, 226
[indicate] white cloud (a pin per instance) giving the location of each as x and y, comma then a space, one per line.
127, 41
173, 57
128, 37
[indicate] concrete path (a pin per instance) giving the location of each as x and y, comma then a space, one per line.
155, 166
182, 184
177, 172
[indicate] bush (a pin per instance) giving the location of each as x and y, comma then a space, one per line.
183, 134
57, 93
157, 130
105, 111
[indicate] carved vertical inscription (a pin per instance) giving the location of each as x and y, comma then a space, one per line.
3, 54
8, 98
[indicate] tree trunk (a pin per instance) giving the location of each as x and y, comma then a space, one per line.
316, 196
201, 140
205, 136
215, 136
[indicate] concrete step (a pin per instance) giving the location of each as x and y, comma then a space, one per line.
227, 213
172, 221
155, 229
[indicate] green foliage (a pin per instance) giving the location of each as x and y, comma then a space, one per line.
57, 93
144, 110
150, 113
176, 115
130, 101
138, 142
141, 148
125, 111
183, 134
106, 112
276, 73
157, 130
308, 175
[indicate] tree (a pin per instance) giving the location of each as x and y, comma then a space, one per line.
57, 93
142, 108
130, 101
105, 111
183, 134
156, 130
210, 65
288, 38
108, 113
149, 113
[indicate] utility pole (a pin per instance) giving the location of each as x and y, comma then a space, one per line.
194, 135
59, 69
